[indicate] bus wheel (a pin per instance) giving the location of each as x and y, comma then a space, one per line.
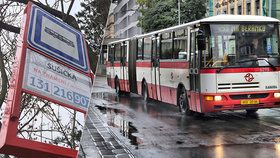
251, 111
182, 101
117, 87
144, 92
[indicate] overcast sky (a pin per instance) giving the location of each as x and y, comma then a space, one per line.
76, 6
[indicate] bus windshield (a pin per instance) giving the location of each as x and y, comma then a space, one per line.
241, 45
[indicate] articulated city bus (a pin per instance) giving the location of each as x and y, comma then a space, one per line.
224, 62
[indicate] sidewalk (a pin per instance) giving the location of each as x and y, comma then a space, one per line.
98, 140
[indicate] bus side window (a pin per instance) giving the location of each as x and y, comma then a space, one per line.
111, 53
123, 52
140, 44
166, 46
193, 54
147, 48
180, 44
117, 52
207, 54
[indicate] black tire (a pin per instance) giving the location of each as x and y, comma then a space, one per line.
144, 91
251, 111
182, 102
117, 87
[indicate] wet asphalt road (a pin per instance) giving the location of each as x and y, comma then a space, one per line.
154, 129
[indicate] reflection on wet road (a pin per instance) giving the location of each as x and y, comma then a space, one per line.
156, 129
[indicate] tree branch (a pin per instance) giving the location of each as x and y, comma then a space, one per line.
62, 7
70, 7
9, 27
37, 112
20, 1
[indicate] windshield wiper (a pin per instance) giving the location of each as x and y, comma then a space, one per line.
274, 68
220, 69
247, 60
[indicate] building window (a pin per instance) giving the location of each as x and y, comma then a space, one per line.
166, 46
180, 44
239, 11
248, 8
257, 4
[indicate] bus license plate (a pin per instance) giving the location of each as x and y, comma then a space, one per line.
246, 102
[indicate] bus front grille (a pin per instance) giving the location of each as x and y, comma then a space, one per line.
235, 86
248, 96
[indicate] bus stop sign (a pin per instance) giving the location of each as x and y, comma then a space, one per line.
50, 89
57, 39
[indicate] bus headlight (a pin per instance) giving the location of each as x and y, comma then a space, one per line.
218, 98
276, 95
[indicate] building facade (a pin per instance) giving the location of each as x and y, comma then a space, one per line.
126, 19
245, 7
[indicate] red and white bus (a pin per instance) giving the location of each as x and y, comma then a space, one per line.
224, 62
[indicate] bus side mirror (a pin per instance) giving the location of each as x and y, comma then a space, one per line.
201, 43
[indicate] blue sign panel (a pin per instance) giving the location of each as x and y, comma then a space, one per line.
57, 39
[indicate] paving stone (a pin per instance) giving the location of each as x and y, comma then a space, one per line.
106, 152
95, 135
102, 148
99, 139
123, 156
118, 147
98, 144
109, 156
92, 130
110, 139
119, 151
106, 135
107, 144
114, 143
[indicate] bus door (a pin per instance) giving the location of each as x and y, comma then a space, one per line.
194, 73
155, 72
124, 66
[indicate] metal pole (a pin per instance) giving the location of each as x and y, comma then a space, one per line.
270, 8
179, 11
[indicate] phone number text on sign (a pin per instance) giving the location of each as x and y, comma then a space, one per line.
48, 87
55, 81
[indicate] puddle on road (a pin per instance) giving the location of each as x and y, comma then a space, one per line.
115, 119
106, 110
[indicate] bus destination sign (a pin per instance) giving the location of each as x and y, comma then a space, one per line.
229, 29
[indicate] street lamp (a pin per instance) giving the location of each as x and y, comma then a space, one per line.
179, 11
